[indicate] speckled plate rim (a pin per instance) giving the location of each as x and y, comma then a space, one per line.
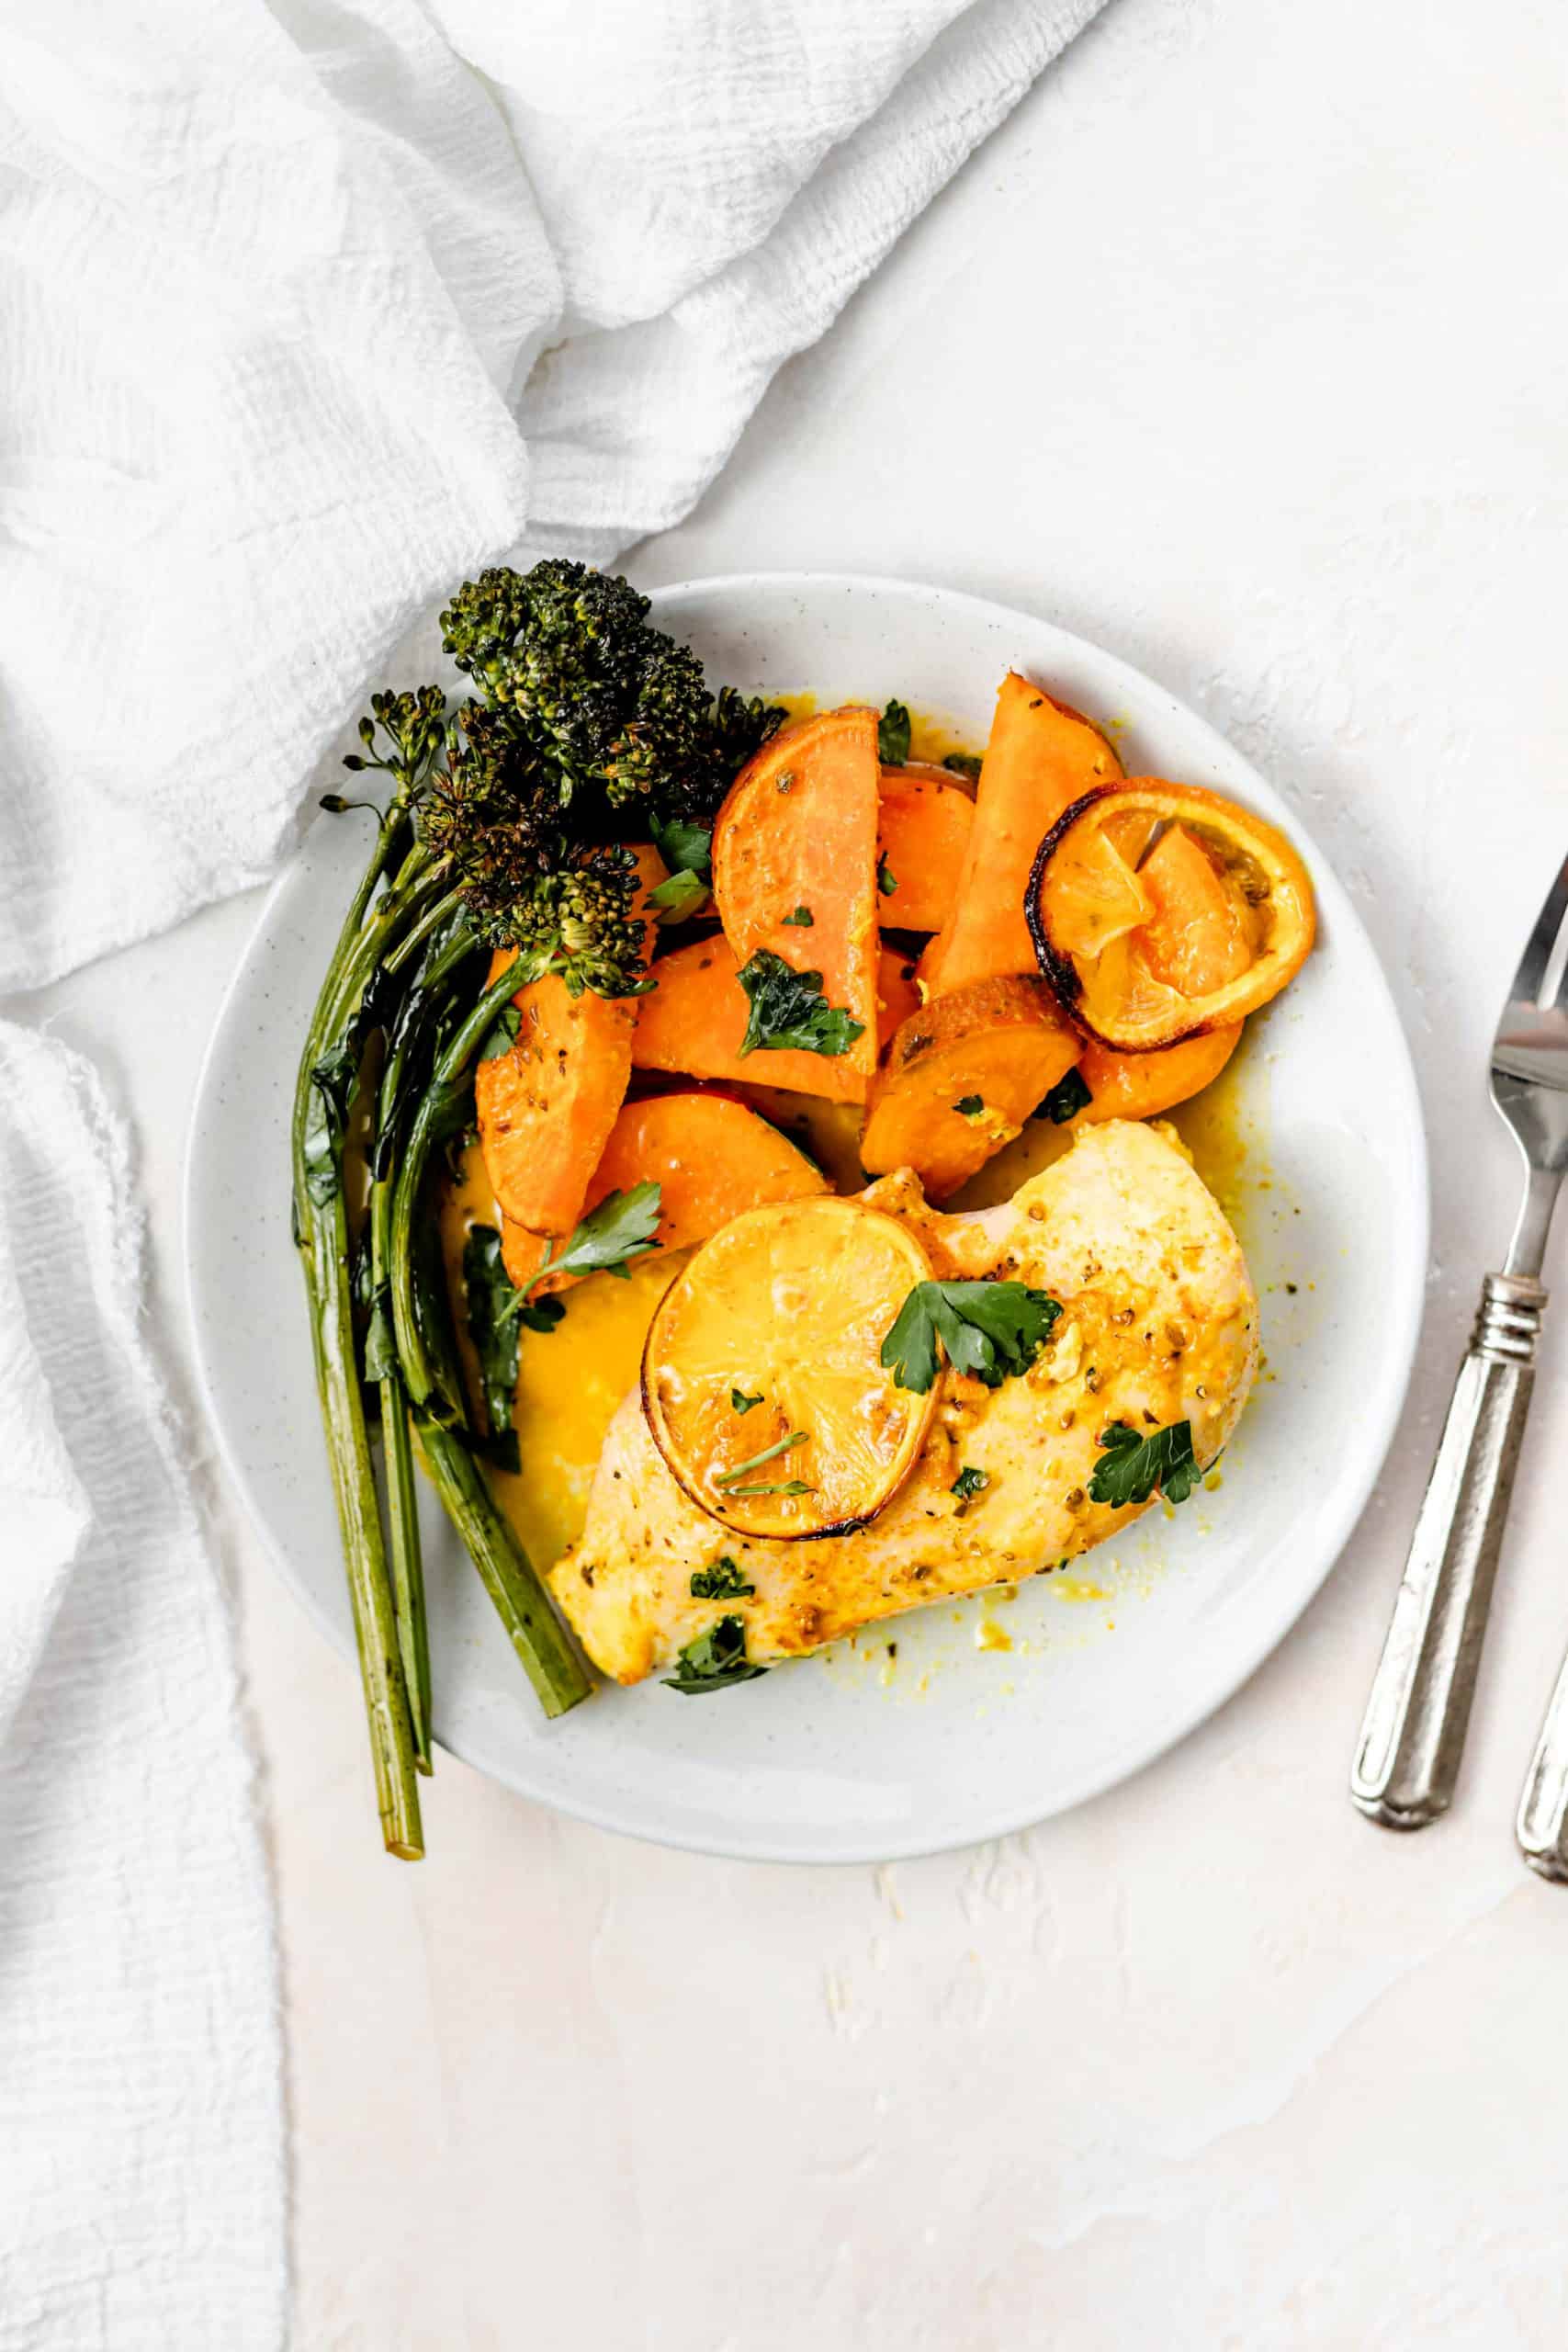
1380, 1405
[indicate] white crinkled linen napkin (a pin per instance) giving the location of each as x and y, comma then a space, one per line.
141, 2203
307, 309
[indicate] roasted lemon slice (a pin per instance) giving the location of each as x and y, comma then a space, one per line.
1160, 911
762, 1380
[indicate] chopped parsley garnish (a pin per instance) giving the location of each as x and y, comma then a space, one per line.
1132, 1466
604, 1241
722, 1581
501, 1036
1065, 1099
802, 917
785, 781
968, 1483
992, 1329
755, 1461
789, 1010
741, 1402
790, 1486
685, 848
894, 732
964, 763
715, 1660
679, 897
887, 880
970, 1106
493, 1327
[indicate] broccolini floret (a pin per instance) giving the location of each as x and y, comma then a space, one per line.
587, 728
603, 698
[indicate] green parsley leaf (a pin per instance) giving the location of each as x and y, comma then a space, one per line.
493, 1305
1132, 1466
894, 732
964, 763
715, 1661
803, 918
887, 880
1065, 1099
502, 1035
992, 1329
722, 1581
741, 1402
790, 1486
680, 896
970, 1106
685, 848
968, 1483
604, 1241
789, 1010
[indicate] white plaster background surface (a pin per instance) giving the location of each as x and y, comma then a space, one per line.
1241, 348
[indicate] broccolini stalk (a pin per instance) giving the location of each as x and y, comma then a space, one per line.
443, 1112
407, 1045
328, 1071
559, 1678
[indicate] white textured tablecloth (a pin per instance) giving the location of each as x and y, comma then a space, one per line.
1256, 307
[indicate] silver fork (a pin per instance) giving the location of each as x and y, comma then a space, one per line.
1413, 1732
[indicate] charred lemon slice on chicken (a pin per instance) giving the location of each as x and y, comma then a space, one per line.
762, 1379
1160, 911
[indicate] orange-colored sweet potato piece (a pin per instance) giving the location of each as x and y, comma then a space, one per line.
546, 1107
798, 830
924, 839
1140, 1086
1042, 757
694, 1018
959, 1077
712, 1157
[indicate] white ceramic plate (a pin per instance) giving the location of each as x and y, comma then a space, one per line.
854, 1756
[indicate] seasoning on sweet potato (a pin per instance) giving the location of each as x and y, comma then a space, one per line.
959, 1077
1042, 757
546, 1106
794, 863
694, 1019
925, 823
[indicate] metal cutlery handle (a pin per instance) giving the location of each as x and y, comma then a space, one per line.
1542, 1824
1413, 1732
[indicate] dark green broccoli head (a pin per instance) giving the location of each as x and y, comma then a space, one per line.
586, 726
528, 879
615, 706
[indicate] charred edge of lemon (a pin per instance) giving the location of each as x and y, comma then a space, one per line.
1061, 973
1057, 969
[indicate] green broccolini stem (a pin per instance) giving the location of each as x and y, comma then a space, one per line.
560, 1680
322, 1232
404, 1546
430, 1122
407, 1561
354, 1483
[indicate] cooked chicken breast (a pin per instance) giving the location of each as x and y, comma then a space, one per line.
1159, 1324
